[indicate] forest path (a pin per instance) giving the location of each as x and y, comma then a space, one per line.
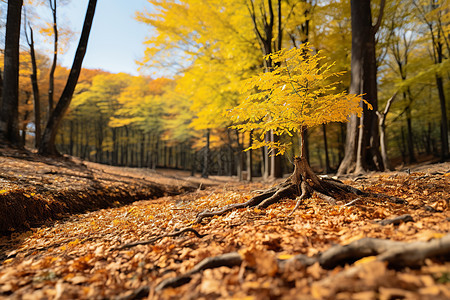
78, 257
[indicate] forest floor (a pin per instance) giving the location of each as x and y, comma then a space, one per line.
90, 255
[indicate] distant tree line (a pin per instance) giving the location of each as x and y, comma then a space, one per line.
396, 55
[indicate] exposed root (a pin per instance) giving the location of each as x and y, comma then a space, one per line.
395, 254
397, 220
226, 260
306, 192
286, 192
302, 184
156, 238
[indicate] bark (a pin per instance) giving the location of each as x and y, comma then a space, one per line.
382, 128
36, 96
362, 145
250, 158
51, 77
410, 143
325, 145
276, 170
444, 122
47, 146
9, 111
205, 171
25, 118
265, 36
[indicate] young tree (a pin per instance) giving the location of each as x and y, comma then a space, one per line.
47, 146
299, 93
9, 110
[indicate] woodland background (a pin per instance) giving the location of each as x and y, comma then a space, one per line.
178, 122
85, 225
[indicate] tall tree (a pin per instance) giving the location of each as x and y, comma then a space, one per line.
34, 83
270, 37
51, 76
47, 146
362, 143
9, 111
433, 14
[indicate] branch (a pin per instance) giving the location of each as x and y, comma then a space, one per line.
380, 17
253, 17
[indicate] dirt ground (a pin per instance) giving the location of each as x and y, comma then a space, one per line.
36, 189
82, 256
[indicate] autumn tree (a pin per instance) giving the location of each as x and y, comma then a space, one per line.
53, 6
47, 146
435, 15
300, 92
362, 144
9, 114
29, 36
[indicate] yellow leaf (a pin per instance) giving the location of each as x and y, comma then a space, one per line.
7, 261
365, 260
74, 243
285, 256
3, 191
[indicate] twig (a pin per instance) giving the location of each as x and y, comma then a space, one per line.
352, 202
156, 238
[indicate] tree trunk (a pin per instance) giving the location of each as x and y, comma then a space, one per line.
71, 136
250, 158
34, 84
239, 157
47, 146
265, 35
51, 77
410, 143
365, 153
444, 127
382, 128
9, 110
25, 118
265, 163
325, 145
276, 170
205, 171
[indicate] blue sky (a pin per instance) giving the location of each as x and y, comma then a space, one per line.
116, 39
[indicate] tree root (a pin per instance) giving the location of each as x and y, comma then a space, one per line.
302, 184
397, 220
225, 260
156, 238
395, 254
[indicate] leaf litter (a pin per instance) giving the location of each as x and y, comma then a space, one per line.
79, 257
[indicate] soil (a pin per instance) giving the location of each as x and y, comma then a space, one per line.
35, 189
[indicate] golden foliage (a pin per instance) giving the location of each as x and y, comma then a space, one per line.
299, 92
